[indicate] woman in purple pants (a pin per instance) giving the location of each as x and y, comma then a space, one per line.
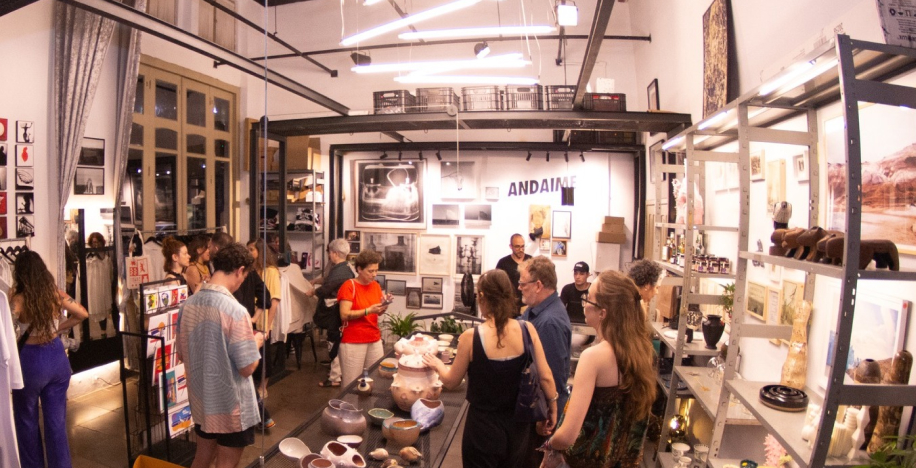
38, 307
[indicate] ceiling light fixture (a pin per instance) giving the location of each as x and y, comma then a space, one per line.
582, 156
548, 156
360, 59
370, 2
478, 32
481, 49
513, 60
468, 79
529, 156
439, 155
566, 156
409, 20
384, 155
567, 15
421, 155
400, 155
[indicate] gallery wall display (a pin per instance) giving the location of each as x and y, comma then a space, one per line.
539, 221
92, 153
25, 155
2, 177
468, 254
559, 248
389, 194
398, 250
25, 203
432, 301
458, 180
413, 300
478, 216
89, 181
435, 254
562, 224
446, 215
25, 131
431, 285
396, 287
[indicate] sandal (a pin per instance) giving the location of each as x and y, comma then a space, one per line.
328, 383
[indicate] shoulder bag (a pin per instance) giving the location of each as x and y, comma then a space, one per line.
531, 404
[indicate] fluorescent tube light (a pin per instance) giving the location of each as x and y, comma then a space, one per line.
412, 19
809, 74
370, 2
472, 79
712, 120
794, 72
567, 15
513, 60
478, 32
673, 142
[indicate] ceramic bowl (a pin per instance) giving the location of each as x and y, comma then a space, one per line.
386, 426
294, 448
446, 337
379, 415
350, 440
388, 367
444, 344
404, 432
308, 461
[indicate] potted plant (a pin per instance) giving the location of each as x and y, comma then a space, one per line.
402, 326
727, 300
889, 456
448, 325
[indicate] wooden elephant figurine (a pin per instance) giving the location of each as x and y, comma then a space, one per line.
882, 251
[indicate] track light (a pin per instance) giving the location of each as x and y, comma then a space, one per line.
548, 156
566, 156
567, 15
361, 59
421, 155
400, 155
384, 155
481, 49
529, 156
439, 155
582, 156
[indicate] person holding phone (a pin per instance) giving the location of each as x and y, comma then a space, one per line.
361, 302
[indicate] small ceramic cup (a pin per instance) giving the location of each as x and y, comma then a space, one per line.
701, 453
678, 450
684, 462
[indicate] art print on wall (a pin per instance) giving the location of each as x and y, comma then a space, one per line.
435, 254
432, 301
92, 153
389, 194
25, 131
4, 155
398, 250
25, 226
468, 254
397, 287
776, 183
652, 95
431, 285
774, 300
25, 178
25, 203
446, 215
89, 181
2, 178
458, 180
539, 221
793, 293
715, 57
492, 193
413, 298
382, 282
800, 165
25, 155
4, 123
544, 245
758, 163
478, 216
562, 224
559, 248
2, 203
756, 301
4, 234
351, 236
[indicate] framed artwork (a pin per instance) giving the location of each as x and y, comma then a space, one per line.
25, 155
3, 228
758, 163
652, 95
435, 254
351, 259
413, 298
446, 215
544, 245
398, 250
478, 216
3, 154
2, 203
2, 178
25, 178
4, 123
351, 236
776, 183
25, 203
432, 301
793, 293
774, 300
92, 152
458, 180
89, 181
25, 131
431, 285
715, 57
558, 248
468, 254
492, 193
25, 226
539, 221
800, 165
380, 279
389, 194
354, 247
756, 301
562, 224
397, 287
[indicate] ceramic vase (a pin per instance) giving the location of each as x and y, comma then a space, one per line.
713, 326
796, 366
412, 383
342, 418
342, 456
428, 413
889, 416
868, 372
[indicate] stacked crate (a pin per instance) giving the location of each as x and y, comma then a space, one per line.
398, 101
525, 98
606, 102
612, 231
482, 98
560, 97
436, 99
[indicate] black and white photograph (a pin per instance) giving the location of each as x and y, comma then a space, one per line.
432, 301
397, 287
389, 194
25, 178
92, 152
25, 226
435, 254
431, 285
492, 193
89, 181
562, 224
398, 250
468, 254
458, 180
413, 298
25, 203
2, 178
25, 131
478, 216
446, 215
3, 154
800, 164
25, 155
380, 279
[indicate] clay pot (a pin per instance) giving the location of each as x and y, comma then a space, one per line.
386, 426
388, 367
428, 413
364, 387
378, 415
412, 383
315, 461
342, 418
868, 371
403, 432
342, 456
713, 326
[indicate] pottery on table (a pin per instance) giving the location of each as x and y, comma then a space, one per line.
428, 413
309, 461
342, 418
403, 432
388, 367
418, 344
364, 386
889, 416
446, 337
713, 326
378, 415
386, 426
413, 382
294, 448
443, 343
352, 441
342, 456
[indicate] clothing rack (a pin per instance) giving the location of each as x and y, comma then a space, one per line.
181, 231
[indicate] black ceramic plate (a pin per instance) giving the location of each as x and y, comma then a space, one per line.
783, 398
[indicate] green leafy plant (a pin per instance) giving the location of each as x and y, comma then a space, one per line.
402, 326
889, 456
727, 300
448, 325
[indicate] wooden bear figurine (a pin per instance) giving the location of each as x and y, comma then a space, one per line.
882, 251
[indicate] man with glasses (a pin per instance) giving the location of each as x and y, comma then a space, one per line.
510, 263
538, 287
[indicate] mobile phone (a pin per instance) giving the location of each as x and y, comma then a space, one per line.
387, 300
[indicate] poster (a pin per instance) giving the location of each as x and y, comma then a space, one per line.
389, 194
180, 420
897, 22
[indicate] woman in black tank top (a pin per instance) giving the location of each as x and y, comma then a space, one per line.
176, 259
492, 437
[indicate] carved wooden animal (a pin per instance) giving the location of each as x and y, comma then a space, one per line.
808, 241
776, 238
882, 251
790, 242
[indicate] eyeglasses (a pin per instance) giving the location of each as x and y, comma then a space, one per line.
520, 283
586, 301
518, 246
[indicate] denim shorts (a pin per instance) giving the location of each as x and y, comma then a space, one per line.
232, 439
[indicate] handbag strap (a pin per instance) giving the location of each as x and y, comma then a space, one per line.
526, 338
20, 343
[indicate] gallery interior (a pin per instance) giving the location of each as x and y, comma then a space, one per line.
757, 153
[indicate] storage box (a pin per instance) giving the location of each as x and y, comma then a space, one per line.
560, 97
613, 220
611, 238
606, 102
436, 99
614, 228
398, 101
481, 98
303, 153
524, 98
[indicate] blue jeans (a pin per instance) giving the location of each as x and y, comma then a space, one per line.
46, 374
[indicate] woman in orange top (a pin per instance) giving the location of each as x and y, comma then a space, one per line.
361, 302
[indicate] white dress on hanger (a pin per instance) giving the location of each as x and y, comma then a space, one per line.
98, 279
156, 261
10, 379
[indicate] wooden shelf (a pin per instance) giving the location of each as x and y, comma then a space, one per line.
698, 227
696, 348
679, 270
706, 390
667, 391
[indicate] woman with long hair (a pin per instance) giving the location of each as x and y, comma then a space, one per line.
177, 259
614, 387
198, 272
37, 307
493, 357
265, 264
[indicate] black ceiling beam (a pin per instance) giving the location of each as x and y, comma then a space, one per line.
596, 35
520, 146
9, 6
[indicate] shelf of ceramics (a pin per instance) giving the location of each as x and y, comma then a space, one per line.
698, 227
832, 271
706, 390
695, 348
667, 391
786, 426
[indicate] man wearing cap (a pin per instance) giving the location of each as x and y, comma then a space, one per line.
510, 264
571, 295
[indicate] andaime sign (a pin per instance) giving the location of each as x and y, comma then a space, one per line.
534, 186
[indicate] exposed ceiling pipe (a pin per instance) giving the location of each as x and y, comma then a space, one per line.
596, 35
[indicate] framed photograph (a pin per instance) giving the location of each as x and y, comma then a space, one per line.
468, 254
446, 215
435, 254
398, 250
4, 125
432, 301
351, 236
25, 226
652, 95
354, 247
800, 165
544, 245
389, 194
562, 224
25, 155
458, 180
2, 203
89, 181
397, 287
716, 54
758, 163
25, 203
380, 279
774, 299
492, 193
25, 178
25, 131
539, 221
776, 183
3, 154
558, 248
478, 216
413, 298
2, 178
92, 153
756, 300
431, 285
351, 259
793, 293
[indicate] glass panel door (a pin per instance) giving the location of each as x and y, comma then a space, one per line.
197, 193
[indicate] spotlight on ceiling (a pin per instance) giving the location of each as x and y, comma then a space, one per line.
566, 156
582, 156
439, 155
361, 59
529, 156
567, 15
384, 155
481, 49
548, 156
400, 155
